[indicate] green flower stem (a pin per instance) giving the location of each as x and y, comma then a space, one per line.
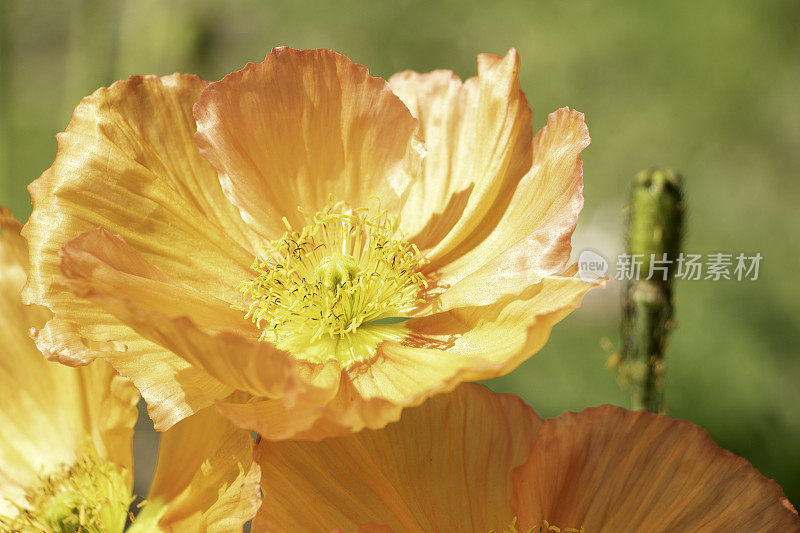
654, 233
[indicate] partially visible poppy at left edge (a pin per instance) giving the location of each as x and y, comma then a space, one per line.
66, 459
306, 247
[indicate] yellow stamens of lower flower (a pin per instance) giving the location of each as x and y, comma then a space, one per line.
337, 287
90, 496
543, 527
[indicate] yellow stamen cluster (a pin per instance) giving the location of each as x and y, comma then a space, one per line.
543, 527
90, 496
337, 286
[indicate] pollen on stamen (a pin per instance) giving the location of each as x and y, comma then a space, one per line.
336, 287
90, 495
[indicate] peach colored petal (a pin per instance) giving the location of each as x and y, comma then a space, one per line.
445, 466
15, 253
292, 416
172, 388
478, 139
332, 412
368, 528
91, 403
205, 476
532, 240
468, 344
127, 163
97, 262
205, 332
608, 469
303, 125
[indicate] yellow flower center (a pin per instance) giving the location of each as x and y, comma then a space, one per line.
90, 496
334, 272
543, 527
337, 287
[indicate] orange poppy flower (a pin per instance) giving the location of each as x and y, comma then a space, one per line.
472, 460
66, 441
332, 246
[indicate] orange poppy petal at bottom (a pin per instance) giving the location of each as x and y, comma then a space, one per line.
205, 476
445, 466
608, 469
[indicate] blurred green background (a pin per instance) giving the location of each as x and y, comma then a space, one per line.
710, 88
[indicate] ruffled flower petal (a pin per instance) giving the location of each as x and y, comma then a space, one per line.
204, 331
332, 412
97, 263
478, 140
608, 469
445, 466
302, 126
42, 432
464, 344
441, 351
205, 476
368, 528
532, 239
172, 387
294, 415
449, 464
127, 163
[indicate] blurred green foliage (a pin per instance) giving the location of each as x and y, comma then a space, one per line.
709, 88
